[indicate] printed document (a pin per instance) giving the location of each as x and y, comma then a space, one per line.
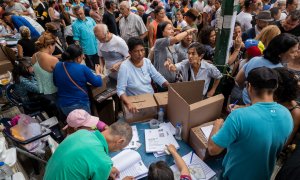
198, 169
129, 163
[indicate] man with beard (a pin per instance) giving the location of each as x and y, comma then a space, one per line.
291, 24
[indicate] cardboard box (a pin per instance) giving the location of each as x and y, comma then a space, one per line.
105, 111
7, 55
5, 66
162, 102
146, 106
198, 141
97, 90
185, 106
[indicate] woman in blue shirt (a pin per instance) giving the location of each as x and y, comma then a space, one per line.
71, 78
281, 49
136, 73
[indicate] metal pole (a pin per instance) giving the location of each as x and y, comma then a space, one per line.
225, 32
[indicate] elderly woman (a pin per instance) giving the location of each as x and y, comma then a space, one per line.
195, 68
136, 73
71, 78
80, 119
26, 47
164, 48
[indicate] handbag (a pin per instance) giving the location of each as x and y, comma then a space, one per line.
73, 80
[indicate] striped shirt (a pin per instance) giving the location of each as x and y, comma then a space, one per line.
131, 26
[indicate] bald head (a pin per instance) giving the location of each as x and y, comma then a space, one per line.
140, 9
124, 8
101, 32
125, 4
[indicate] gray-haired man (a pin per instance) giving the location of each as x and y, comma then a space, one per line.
112, 50
85, 154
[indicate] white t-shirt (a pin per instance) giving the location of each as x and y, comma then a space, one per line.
35, 24
245, 20
181, 24
114, 51
199, 6
207, 9
282, 16
31, 12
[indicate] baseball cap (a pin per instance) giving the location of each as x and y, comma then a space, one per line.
254, 47
263, 78
79, 117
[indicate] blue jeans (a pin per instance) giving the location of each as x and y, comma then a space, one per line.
67, 109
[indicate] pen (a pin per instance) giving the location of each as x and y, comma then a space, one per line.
191, 157
232, 106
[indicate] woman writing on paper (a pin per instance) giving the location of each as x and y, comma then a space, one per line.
161, 170
195, 68
71, 78
136, 73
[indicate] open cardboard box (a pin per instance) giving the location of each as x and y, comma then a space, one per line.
146, 106
7, 55
185, 106
97, 90
198, 140
162, 102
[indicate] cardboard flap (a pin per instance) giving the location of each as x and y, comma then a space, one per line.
161, 98
206, 110
178, 109
143, 100
191, 91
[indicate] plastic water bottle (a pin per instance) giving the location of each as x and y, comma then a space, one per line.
178, 131
161, 115
5, 171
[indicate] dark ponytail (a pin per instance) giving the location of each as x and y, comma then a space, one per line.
72, 52
21, 69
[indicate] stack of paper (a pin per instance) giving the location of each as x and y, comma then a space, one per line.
169, 126
129, 163
134, 143
198, 168
157, 139
207, 130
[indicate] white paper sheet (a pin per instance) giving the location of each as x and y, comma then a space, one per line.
133, 144
207, 130
169, 126
157, 139
198, 168
129, 163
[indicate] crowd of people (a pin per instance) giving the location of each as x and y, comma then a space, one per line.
144, 45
